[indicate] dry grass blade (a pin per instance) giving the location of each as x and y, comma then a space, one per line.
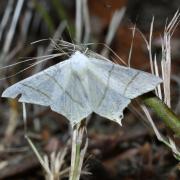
169, 142
166, 75
3, 164
86, 19
6, 17
52, 165
166, 57
11, 32
116, 20
149, 46
79, 24
78, 152
158, 89
132, 42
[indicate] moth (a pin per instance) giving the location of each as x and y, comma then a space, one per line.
82, 85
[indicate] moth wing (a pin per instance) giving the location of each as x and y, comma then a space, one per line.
73, 102
127, 81
111, 87
36, 89
106, 101
56, 87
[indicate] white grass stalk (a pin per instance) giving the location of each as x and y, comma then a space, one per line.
52, 165
169, 142
3, 164
13, 120
149, 46
166, 57
158, 89
166, 67
131, 48
78, 152
86, 19
166, 76
12, 29
26, 22
79, 24
6, 17
115, 22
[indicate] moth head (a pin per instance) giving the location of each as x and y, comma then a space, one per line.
79, 62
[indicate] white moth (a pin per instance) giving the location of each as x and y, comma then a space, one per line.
81, 85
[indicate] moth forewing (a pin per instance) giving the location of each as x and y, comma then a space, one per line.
127, 81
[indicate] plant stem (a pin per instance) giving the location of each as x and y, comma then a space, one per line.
170, 119
78, 152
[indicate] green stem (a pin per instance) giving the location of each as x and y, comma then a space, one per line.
170, 119
76, 164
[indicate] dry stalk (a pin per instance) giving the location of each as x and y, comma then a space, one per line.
78, 150
169, 118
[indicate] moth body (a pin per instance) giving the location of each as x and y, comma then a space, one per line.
79, 63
